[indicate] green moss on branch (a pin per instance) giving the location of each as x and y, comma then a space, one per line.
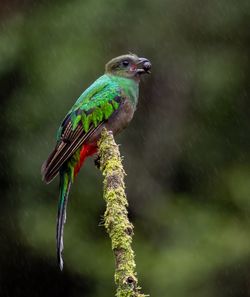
116, 220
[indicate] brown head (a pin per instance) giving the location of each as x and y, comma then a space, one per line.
129, 66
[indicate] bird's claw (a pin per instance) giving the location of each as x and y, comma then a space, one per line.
97, 162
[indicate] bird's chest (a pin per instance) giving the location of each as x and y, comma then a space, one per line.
121, 118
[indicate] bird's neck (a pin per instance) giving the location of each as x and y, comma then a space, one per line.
129, 86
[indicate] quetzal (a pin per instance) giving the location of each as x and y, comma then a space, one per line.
109, 102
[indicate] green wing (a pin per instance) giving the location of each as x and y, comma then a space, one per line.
99, 108
87, 115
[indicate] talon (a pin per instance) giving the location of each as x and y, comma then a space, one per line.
97, 162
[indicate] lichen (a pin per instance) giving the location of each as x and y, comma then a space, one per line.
116, 221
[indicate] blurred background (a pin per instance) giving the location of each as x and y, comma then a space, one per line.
186, 153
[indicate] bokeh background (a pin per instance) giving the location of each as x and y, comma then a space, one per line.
186, 153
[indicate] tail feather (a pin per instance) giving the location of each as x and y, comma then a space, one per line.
65, 184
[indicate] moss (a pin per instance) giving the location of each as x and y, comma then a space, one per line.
116, 220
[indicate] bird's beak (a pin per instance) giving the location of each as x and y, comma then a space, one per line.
143, 65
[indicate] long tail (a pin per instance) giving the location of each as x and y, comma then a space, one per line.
65, 184
67, 174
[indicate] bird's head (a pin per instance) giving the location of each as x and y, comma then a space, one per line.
129, 66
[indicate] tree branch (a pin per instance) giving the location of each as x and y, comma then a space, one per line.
116, 220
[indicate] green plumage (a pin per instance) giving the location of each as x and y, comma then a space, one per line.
100, 100
109, 102
94, 106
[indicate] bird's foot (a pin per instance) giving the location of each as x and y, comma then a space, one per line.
97, 162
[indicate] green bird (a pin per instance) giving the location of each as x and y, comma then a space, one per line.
109, 102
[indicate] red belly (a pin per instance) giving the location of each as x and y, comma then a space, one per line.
86, 151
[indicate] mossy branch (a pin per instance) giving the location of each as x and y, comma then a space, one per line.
116, 220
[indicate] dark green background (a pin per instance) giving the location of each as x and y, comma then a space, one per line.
186, 153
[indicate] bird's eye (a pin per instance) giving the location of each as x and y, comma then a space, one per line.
125, 63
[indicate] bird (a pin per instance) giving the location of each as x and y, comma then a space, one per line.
109, 102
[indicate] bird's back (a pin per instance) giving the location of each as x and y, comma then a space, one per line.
110, 101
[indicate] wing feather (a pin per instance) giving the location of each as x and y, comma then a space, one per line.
80, 124
64, 150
